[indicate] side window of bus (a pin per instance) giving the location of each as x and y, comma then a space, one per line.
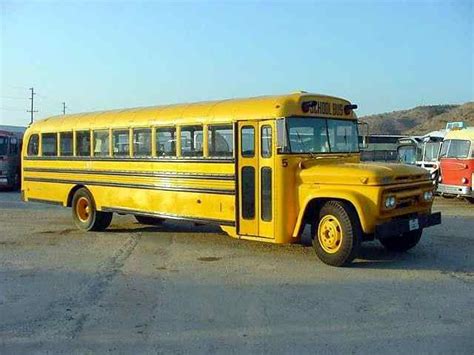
120, 143
191, 141
49, 144
33, 145
266, 141
248, 141
166, 142
83, 143
13, 150
221, 141
65, 144
101, 143
142, 142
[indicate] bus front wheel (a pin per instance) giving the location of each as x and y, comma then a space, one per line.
404, 242
337, 234
85, 215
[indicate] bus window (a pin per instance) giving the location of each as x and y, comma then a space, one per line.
101, 143
33, 145
266, 193
142, 142
221, 141
3, 145
13, 146
120, 142
65, 144
83, 144
248, 141
49, 144
166, 142
248, 192
266, 141
191, 141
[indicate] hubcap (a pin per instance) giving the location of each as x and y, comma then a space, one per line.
330, 234
83, 209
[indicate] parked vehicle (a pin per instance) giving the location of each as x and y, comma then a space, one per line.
457, 164
261, 168
10, 159
422, 151
381, 148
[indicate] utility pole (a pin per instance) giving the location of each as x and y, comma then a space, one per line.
64, 108
32, 110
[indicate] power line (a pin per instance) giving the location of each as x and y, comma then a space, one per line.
11, 109
32, 110
12, 97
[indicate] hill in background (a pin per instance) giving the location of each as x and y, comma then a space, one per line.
420, 120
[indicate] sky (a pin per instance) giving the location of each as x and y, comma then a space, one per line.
97, 55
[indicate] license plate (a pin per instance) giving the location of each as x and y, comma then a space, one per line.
413, 224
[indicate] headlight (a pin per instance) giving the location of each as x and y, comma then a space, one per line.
428, 195
464, 180
390, 202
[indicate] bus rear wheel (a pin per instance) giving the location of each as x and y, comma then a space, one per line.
152, 221
85, 215
404, 242
337, 234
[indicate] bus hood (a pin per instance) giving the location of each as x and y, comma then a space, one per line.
329, 171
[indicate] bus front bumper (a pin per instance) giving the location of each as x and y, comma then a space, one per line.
397, 227
455, 190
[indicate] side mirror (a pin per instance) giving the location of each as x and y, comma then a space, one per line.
363, 128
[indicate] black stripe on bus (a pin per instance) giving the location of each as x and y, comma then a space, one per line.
132, 186
159, 174
135, 159
168, 216
50, 202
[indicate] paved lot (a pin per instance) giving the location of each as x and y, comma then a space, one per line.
186, 288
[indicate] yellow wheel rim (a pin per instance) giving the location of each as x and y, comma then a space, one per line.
330, 234
83, 209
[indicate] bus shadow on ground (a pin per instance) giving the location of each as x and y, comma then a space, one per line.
166, 227
373, 256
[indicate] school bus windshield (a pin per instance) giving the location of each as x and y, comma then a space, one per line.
321, 135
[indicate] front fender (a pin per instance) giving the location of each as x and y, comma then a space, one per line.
365, 203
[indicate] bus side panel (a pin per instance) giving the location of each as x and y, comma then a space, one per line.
186, 189
201, 206
46, 192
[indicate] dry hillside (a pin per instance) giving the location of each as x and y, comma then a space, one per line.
420, 120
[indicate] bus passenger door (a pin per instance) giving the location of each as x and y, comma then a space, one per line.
255, 176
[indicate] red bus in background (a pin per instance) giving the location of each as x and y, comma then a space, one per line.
457, 164
10, 159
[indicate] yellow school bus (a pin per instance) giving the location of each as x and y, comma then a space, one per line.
261, 168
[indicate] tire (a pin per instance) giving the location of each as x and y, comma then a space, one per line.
470, 199
85, 215
404, 242
337, 234
151, 221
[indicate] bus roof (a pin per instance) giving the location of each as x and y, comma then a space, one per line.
465, 133
201, 112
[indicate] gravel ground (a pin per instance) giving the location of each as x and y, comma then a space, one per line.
190, 289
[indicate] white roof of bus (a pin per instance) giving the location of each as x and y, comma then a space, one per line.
466, 133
